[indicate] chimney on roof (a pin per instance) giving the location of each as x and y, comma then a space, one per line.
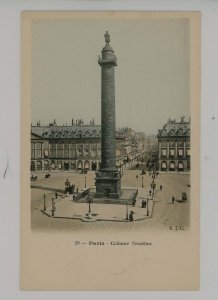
182, 119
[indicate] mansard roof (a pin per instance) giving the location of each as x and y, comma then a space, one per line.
35, 136
52, 132
72, 132
173, 128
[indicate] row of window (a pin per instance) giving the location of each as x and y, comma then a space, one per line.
174, 143
36, 145
172, 166
75, 146
65, 153
172, 152
59, 165
72, 146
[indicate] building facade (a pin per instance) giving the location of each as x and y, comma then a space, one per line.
174, 146
76, 147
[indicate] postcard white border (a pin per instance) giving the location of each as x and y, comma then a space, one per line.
9, 223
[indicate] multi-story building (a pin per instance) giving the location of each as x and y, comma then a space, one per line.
174, 146
150, 142
75, 147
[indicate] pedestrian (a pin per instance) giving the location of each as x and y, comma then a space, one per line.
131, 216
137, 176
53, 207
56, 195
173, 199
70, 189
160, 187
77, 190
74, 198
150, 192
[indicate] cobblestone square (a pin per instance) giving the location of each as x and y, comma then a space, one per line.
165, 214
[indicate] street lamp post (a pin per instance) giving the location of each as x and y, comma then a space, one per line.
127, 212
89, 200
142, 182
85, 181
53, 209
44, 202
147, 208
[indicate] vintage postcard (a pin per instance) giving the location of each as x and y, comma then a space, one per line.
110, 151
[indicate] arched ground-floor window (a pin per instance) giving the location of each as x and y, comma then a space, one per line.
188, 165
39, 165
180, 166
94, 165
46, 165
66, 165
73, 165
79, 165
163, 166
59, 165
172, 166
32, 166
87, 165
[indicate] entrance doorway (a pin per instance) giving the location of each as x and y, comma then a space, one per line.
107, 193
66, 165
94, 166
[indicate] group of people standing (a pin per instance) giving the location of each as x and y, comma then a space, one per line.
70, 188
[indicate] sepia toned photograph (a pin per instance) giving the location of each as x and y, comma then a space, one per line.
110, 124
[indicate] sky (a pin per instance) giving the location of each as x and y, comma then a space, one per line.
151, 79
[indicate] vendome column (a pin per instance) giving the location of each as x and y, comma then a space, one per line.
108, 178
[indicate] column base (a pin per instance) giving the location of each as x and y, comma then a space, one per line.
108, 184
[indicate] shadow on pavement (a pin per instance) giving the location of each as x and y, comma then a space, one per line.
39, 187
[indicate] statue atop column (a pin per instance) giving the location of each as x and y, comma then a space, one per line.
107, 37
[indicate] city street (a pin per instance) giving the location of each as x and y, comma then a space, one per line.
165, 213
